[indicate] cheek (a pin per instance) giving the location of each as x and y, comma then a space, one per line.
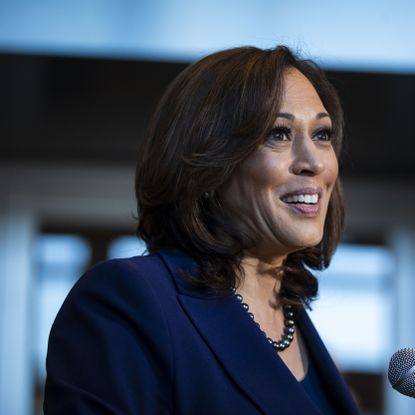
263, 170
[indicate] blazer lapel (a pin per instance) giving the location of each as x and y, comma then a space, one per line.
333, 382
240, 346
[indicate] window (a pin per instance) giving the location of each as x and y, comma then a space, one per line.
126, 246
354, 310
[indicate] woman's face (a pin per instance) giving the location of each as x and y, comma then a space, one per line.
280, 194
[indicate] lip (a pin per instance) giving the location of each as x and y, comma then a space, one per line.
304, 209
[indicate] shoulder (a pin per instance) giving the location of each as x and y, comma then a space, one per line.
133, 289
133, 267
126, 275
116, 299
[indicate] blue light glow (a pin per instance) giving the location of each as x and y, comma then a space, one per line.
370, 35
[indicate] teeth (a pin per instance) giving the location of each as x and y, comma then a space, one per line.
312, 199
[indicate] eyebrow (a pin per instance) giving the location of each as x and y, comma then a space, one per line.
291, 117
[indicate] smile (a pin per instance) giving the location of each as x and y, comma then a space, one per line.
302, 198
305, 201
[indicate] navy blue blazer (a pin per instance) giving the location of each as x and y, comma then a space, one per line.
133, 338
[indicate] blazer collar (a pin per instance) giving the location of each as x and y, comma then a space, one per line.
243, 350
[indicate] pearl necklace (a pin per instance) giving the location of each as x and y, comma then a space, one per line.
289, 323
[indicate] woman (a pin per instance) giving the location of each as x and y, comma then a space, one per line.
238, 198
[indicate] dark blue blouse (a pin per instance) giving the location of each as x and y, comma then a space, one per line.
315, 390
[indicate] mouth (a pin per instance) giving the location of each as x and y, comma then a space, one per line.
304, 201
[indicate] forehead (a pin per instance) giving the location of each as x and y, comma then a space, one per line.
299, 91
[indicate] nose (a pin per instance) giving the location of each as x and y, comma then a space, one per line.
307, 158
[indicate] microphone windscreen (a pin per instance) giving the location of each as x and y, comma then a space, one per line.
401, 372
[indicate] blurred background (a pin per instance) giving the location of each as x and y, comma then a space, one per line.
78, 81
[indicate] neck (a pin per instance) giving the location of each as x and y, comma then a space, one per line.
262, 279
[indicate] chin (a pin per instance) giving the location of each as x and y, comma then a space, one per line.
306, 241
313, 241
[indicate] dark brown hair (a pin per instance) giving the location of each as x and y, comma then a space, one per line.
211, 118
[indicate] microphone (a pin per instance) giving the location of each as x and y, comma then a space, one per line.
401, 372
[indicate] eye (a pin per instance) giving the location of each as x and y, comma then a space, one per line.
279, 133
323, 134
